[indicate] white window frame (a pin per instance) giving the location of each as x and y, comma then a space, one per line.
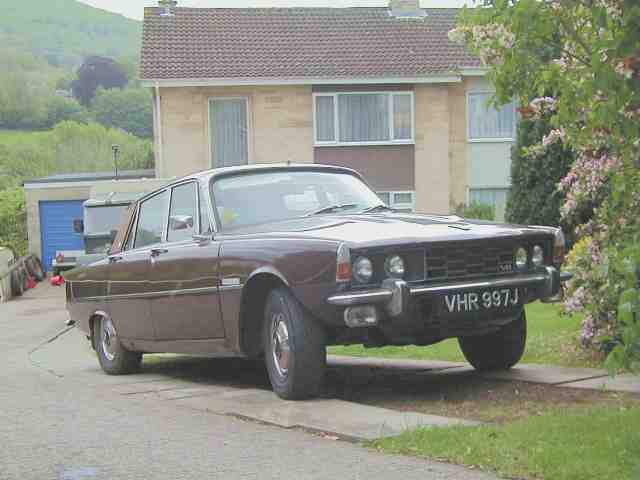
336, 119
247, 100
403, 206
488, 140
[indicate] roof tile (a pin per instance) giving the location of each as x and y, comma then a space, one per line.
226, 43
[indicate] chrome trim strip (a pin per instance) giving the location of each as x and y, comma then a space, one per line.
143, 295
226, 288
369, 296
521, 280
382, 294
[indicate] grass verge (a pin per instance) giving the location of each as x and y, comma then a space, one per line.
13, 137
552, 339
595, 443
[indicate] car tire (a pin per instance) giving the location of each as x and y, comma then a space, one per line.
113, 357
295, 347
499, 350
34, 267
17, 285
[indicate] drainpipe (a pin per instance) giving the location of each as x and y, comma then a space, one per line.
158, 129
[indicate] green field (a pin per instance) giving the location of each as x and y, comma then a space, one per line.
552, 339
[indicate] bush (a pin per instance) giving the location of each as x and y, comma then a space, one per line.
534, 198
129, 109
476, 210
13, 220
60, 109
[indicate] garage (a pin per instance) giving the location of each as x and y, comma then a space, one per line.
56, 227
54, 202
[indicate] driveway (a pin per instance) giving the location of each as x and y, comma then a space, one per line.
62, 418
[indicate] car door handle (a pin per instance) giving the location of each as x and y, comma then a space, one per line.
158, 251
115, 258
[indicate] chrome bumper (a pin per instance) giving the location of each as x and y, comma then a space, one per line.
396, 293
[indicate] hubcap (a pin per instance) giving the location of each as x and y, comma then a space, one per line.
280, 343
109, 339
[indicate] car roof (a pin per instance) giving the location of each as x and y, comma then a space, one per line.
206, 175
113, 199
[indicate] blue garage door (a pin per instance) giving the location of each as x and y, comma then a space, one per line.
56, 227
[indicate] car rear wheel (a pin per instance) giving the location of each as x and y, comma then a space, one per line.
500, 350
113, 357
295, 347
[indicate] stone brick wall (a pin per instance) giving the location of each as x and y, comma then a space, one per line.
280, 120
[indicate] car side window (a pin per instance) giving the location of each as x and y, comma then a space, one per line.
151, 220
183, 213
119, 242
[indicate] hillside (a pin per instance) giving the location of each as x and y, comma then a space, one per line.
65, 31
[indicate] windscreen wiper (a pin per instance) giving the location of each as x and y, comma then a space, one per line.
331, 208
378, 208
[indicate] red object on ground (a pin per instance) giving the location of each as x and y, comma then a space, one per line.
31, 283
57, 280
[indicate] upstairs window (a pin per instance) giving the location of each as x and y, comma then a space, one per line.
363, 118
486, 123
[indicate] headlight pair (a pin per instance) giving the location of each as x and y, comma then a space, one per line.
522, 257
363, 268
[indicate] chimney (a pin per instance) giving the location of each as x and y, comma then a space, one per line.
406, 9
168, 7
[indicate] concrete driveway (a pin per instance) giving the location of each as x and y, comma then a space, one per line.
62, 418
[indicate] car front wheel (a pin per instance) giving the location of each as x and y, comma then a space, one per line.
295, 347
113, 357
499, 350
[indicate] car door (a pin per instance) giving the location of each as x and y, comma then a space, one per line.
184, 275
128, 298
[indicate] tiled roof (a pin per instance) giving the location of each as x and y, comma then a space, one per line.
298, 43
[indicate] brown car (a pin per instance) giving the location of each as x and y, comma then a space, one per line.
283, 260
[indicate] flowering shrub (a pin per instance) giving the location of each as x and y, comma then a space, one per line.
579, 60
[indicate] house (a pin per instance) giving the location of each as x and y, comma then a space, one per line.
381, 90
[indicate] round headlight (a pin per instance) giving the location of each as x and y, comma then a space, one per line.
362, 269
394, 266
521, 259
538, 256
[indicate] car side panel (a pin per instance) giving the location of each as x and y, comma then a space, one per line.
86, 291
306, 266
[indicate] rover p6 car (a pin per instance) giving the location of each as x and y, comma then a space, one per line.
280, 261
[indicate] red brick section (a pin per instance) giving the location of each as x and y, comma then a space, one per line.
217, 43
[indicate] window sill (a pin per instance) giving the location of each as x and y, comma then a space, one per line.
491, 140
363, 144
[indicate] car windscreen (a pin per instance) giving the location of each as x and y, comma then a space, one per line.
103, 219
260, 197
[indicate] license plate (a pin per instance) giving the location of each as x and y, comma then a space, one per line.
483, 300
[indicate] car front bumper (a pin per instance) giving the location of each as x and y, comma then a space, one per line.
395, 295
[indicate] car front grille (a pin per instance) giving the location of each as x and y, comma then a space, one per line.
470, 258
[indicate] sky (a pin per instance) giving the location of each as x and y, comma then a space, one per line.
134, 8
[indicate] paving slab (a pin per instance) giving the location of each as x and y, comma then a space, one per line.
345, 419
620, 383
390, 363
546, 374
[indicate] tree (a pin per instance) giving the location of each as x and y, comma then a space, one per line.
580, 62
97, 72
129, 109
60, 109
534, 198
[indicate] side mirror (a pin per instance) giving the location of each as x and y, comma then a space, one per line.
180, 222
78, 225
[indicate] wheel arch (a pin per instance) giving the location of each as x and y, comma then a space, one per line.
252, 305
93, 319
